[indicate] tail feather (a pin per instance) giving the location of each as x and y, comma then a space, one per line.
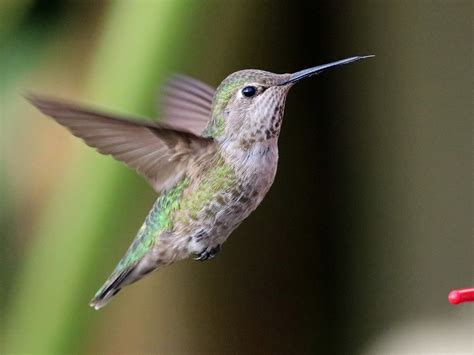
123, 276
111, 287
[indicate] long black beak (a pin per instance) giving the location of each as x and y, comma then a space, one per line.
305, 73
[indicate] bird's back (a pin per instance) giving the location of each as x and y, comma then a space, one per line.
139, 259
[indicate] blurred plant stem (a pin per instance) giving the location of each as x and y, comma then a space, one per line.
69, 239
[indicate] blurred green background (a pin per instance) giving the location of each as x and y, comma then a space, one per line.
366, 229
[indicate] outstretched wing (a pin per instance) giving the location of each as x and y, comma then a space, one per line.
158, 153
186, 104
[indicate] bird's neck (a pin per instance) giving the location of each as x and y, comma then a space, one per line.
251, 160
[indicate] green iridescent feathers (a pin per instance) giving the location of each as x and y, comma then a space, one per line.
159, 219
216, 180
223, 94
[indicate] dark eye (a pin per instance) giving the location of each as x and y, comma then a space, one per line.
249, 91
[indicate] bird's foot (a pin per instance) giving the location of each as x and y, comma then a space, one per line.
208, 253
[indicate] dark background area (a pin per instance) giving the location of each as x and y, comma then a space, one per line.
367, 227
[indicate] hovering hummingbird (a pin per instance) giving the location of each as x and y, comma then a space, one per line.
212, 157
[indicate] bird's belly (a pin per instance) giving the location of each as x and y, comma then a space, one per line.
227, 209
220, 219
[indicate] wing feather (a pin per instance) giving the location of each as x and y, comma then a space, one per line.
186, 104
160, 153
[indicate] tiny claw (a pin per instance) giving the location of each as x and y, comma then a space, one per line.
208, 253
203, 256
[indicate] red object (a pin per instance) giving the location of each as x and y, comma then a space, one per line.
462, 295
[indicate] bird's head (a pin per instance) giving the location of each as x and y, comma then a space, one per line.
248, 105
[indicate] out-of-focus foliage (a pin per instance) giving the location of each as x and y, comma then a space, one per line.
368, 225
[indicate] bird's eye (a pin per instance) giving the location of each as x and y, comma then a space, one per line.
249, 91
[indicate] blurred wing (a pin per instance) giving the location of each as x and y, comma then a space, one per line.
160, 154
186, 104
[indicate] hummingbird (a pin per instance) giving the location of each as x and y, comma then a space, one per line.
212, 157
